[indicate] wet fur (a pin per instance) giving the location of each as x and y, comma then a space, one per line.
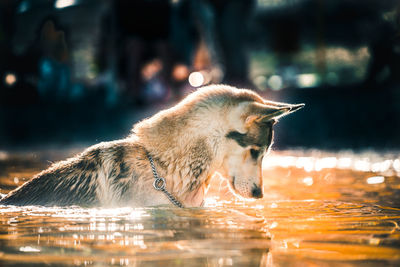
185, 142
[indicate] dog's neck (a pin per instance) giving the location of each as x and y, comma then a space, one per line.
186, 168
186, 159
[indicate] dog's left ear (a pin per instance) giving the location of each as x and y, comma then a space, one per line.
266, 112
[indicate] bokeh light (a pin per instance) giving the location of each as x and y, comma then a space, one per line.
196, 79
307, 80
64, 3
275, 82
10, 79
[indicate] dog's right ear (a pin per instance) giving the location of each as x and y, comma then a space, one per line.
265, 112
260, 112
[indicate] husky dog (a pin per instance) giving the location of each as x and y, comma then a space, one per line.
218, 128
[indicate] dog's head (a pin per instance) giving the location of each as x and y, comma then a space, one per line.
248, 140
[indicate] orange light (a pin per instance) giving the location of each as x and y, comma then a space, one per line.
10, 79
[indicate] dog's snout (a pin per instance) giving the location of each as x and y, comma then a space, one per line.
256, 192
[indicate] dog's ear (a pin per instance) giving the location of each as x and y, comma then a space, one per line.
265, 112
292, 107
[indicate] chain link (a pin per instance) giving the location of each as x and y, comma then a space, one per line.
159, 184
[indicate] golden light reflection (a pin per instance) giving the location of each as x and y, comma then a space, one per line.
317, 210
308, 181
396, 165
29, 249
319, 163
376, 180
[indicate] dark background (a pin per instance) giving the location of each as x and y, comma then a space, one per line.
83, 71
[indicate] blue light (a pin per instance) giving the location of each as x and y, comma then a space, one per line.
45, 67
23, 6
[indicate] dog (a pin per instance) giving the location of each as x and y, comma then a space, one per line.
168, 158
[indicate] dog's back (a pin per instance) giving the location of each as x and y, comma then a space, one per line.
102, 170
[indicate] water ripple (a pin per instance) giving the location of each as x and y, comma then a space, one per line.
325, 215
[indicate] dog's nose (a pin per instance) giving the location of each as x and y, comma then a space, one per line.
257, 192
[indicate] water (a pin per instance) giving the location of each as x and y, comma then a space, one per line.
319, 209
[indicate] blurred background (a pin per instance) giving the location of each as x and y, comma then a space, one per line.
84, 71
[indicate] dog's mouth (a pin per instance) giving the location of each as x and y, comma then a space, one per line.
233, 188
256, 191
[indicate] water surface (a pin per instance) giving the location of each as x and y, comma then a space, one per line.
319, 209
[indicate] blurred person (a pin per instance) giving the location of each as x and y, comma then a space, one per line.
183, 39
142, 40
42, 70
222, 25
384, 66
44, 65
54, 70
286, 44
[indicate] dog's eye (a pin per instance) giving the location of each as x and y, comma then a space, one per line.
254, 153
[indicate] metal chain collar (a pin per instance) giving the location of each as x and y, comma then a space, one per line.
159, 184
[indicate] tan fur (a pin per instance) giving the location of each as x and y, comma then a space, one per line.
211, 130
